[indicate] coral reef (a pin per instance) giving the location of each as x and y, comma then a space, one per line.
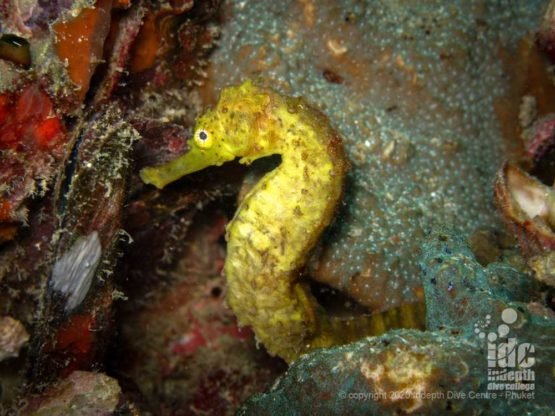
443, 370
180, 346
81, 393
33, 142
543, 266
430, 98
87, 247
415, 91
79, 42
68, 144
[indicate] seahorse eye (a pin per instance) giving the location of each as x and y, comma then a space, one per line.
203, 139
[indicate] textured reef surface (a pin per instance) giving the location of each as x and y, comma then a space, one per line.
416, 91
112, 297
443, 370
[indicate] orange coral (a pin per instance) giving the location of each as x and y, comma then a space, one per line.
122, 4
146, 47
80, 42
158, 35
5, 210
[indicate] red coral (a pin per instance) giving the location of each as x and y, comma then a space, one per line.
76, 340
4, 103
47, 131
28, 120
31, 133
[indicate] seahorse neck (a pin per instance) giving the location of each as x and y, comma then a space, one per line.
295, 137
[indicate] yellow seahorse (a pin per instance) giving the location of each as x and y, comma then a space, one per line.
281, 218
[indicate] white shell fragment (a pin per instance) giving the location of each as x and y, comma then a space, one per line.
13, 336
73, 272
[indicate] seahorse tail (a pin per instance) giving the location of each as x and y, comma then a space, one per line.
281, 312
342, 330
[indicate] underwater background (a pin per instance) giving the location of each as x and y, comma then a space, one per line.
437, 267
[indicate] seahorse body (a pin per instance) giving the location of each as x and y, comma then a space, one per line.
280, 220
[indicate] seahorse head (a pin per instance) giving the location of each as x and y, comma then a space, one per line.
234, 128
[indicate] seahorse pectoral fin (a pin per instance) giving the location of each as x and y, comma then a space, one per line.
192, 161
